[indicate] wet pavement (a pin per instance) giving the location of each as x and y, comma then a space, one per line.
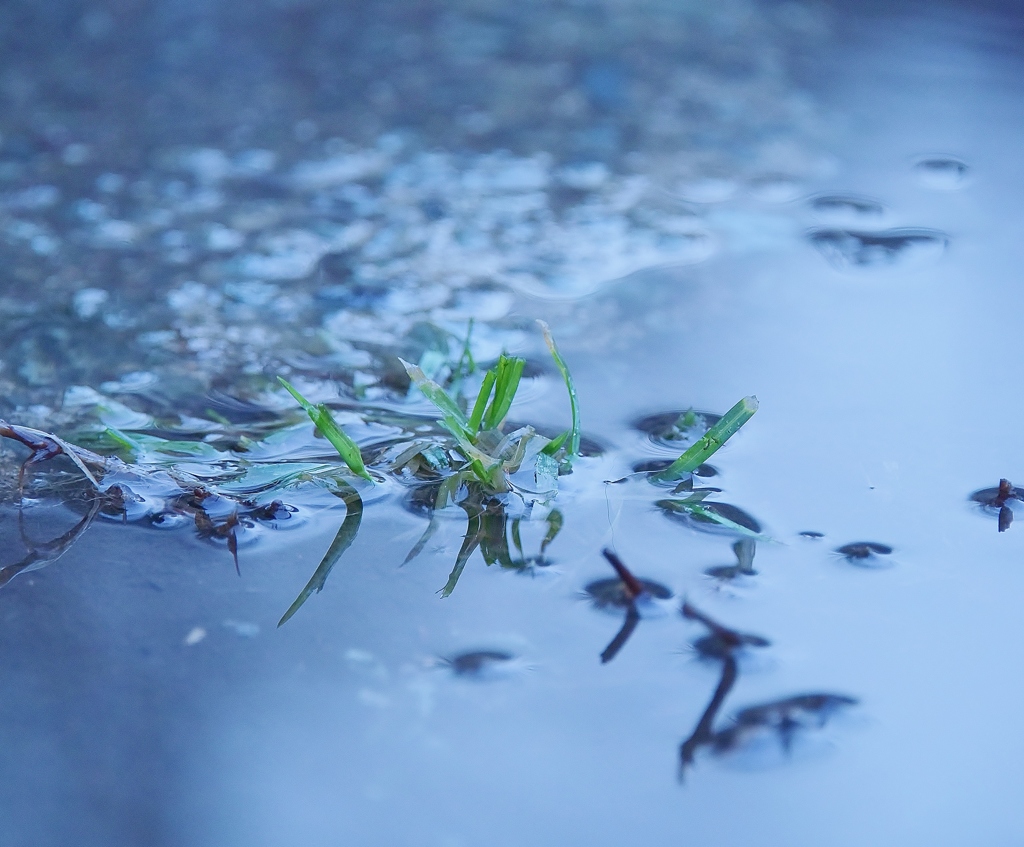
841, 243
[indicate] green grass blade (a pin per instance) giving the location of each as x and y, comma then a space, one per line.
466, 365
329, 429
555, 522
342, 541
452, 416
713, 439
552, 446
509, 372
573, 449
699, 510
477, 415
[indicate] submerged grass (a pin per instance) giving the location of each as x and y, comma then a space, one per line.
573, 434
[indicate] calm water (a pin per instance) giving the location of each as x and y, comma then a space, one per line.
838, 238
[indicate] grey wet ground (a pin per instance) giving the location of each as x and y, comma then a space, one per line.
834, 229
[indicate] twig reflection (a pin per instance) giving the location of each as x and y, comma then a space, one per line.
626, 592
783, 717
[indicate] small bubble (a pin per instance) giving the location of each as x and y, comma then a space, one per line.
942, 173
75, 154
847, 204
110, 183
88, 301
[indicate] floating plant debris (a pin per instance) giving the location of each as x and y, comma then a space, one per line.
329, 429
720, 641
229, 499
479, 663
784, 717
1000, 501
848, 248
615, 593
627, 592
710, 442
491, 456
864, 552
847, 203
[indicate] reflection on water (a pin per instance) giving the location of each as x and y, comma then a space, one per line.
846, 248
784, 717
628, 593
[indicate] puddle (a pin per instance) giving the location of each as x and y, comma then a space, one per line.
263, 645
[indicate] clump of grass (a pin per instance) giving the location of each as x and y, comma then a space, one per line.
491, 456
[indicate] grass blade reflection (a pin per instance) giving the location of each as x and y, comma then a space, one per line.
342, 541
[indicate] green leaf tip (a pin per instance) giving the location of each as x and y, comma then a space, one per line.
573, 446
453, 418
332, 431
707, 445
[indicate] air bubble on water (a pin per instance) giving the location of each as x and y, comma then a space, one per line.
110, 183
586, 176
222, 239
711, 190
942, 173
255, 162
36, 198
115, 234
88, 301
75, 154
